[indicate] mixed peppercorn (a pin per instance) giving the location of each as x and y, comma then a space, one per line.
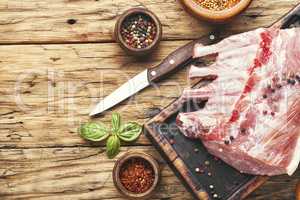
292, 79
217, 5
204, 169
138, 31
137, 175
270, 89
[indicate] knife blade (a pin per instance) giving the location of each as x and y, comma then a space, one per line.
128, 89
176, 60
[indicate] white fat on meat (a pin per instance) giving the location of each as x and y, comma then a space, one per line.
267, 130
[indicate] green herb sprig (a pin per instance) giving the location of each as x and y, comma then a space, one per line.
98, 132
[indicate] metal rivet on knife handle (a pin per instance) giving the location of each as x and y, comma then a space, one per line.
153, 73
172, 61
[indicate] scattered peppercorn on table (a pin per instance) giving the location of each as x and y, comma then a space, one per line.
57, 59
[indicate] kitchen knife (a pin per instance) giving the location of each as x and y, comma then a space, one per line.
174, 61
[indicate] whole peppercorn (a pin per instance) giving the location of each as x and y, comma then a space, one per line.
273, 113
298, 78
138, 31
291, 81
243, 130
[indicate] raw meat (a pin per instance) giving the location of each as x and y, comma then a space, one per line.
252, 117
230, 71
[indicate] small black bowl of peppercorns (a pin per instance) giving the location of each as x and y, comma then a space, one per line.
138, 31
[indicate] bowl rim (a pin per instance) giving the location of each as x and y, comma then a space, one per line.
214, 15
134, 11
130, 155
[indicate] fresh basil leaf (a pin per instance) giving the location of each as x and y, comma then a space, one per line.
93, 131
113, 146
130, 131
116, 122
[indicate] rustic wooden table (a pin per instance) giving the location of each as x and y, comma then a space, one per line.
58, 58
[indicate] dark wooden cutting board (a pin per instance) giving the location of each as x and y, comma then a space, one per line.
216, 180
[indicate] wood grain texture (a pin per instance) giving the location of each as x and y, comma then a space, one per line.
37, 21
48, 90
71, 173
85, 173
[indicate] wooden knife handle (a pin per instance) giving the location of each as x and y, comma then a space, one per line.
178, 58
290, 18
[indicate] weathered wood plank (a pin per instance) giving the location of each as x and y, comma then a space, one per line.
278, 188
37, 21
85, 173
70, 173
48, 90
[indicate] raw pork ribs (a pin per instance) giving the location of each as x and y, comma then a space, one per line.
252, 117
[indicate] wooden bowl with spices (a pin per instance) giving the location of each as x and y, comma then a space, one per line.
136, 175
216, 10
138, 31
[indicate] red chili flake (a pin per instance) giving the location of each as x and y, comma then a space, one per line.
265, 112
137, 175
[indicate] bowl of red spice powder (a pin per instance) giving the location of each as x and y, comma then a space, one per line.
136, 175
138, 31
